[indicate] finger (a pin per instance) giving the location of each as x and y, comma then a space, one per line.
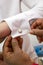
40, 39
37, 32
1, 56
18, 38
20, 41
36, 23
15, 45
6, 44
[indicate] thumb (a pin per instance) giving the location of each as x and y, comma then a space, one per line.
37, 32
15, 45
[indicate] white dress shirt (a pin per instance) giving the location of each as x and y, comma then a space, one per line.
12, 7
19, 24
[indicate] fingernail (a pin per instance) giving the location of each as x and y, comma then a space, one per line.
14, 41
31, 32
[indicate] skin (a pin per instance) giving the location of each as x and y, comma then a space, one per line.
1, 60
4, 31
37, 29
13, 54
24, 58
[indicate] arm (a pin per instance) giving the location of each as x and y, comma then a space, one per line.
15, 22
4, 30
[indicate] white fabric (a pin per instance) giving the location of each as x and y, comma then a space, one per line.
12, 7
9, 8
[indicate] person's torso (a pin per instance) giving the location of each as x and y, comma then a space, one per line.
12, 7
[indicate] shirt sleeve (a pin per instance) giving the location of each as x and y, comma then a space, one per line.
18, 25
21, 22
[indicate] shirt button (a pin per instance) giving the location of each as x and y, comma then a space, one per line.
20, 30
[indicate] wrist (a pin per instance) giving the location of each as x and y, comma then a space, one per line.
4, 31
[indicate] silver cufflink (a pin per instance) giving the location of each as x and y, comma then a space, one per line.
20, 30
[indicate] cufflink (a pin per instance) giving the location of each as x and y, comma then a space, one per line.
20, 30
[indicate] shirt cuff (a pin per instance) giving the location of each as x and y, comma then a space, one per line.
18, 25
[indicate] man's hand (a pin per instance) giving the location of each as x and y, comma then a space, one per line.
13, 55
1, 59
37, 29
